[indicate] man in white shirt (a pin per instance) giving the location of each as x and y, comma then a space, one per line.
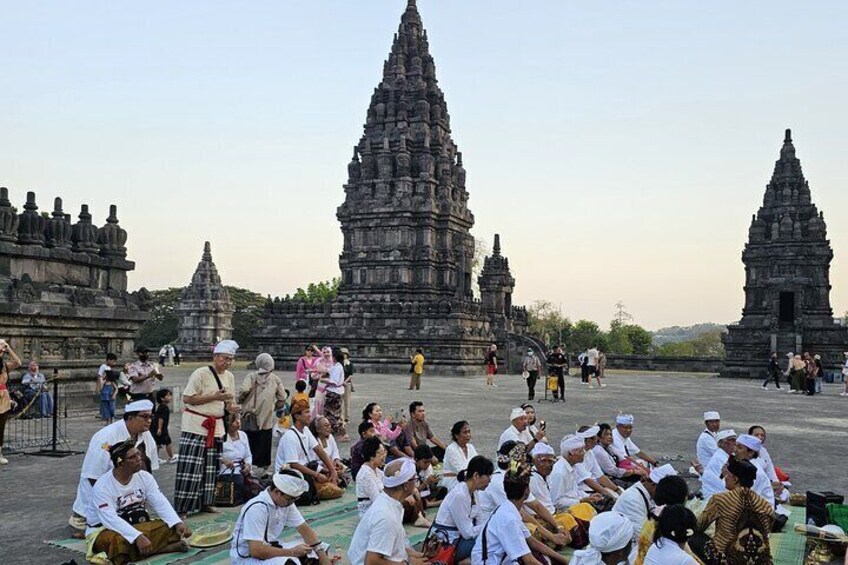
519, 431
707, 445
711, 481
748, 449
637, 502
135, 425
592, 365
261, 523
623, 446
296, 445
119, 528
379, 537
594, 479
565, 479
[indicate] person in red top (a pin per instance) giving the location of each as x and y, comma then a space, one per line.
491, 365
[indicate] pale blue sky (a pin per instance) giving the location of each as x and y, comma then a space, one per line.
619, 148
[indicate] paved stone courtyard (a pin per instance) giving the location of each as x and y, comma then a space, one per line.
806, 435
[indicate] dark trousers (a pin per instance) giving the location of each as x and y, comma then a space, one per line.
584, 373
811, 387
531, 384
561, 385
774, 375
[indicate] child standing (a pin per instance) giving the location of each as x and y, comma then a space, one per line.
108, 393
159, 425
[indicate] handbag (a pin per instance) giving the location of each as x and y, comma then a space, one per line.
228, 489
249, 422
438, 549
525, 375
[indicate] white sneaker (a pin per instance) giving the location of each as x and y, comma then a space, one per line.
843, 394
603, 385
493, 384
163, 461
591, 386
173, 459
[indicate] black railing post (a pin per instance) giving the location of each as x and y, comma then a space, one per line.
55, 441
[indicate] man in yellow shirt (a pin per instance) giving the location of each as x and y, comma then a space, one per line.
416, 369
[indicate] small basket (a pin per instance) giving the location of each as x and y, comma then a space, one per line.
838, 514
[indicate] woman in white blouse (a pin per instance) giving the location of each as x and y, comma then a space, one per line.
369, 479
457, 454
675, 526
458, 512
235, 454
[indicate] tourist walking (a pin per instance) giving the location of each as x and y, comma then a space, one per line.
349, 370
531, 365
208, 397
5, 399
491, 365
795, 372
773, 372
592, 365
583, 360
811, 372
333, 384
416, 369
262, 394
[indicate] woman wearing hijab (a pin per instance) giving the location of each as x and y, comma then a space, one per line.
262, 393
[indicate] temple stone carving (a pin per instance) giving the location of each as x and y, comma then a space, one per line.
64, 297
406, 260
205, 310
787, 279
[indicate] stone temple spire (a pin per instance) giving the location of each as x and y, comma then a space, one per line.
787, 277
205, 309
496, 282
405, 217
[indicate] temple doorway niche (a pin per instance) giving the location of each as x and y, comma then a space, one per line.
786, 309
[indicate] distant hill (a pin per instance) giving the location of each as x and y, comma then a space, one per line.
676, 334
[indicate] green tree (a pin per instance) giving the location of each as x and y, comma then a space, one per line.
705, 345
161, 327
548, 323
586, 334
247, 314
618, 340
319, 293
639, 338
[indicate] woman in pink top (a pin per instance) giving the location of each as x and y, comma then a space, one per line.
305, 365
382, 428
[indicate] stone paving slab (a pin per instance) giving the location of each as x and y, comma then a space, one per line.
806, 435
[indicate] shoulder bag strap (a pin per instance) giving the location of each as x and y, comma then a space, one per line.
485, 541
302, 446
267, 525
220, 386
647, 504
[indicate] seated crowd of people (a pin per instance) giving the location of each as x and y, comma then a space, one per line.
593, 490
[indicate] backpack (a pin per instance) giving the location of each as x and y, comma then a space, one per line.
750, 546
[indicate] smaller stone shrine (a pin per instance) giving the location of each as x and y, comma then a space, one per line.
64, 286
787, 280
205, 310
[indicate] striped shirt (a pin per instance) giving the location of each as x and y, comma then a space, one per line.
725, 509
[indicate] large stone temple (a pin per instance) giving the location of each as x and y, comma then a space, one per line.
205, 310
407, 257
64, 286
787, 279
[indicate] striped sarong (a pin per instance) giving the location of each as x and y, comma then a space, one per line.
197, 471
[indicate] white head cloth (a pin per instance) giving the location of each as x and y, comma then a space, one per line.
289, 485
590, 433
659, 473
264, 363
711, 416
625, 419
724, 434
790, 354
608, 532
406, 472
227, 347
570, 443
516, 413
541, 449
751, 442
139, 406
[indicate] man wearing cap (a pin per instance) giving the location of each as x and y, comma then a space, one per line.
594, 479
519, 431
119, 526
566, 477
737, 505
623, 446
143, 376
260, 526
706, 444
134, 425
208, 397
637, 502
379, 537
711, 481
610, 539
531, 366
294, 451
748, 449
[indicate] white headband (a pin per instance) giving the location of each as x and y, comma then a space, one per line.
625, 419
541, 449
711, 416
289, 485
227, 347
406, 472
139, 406
570, 443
